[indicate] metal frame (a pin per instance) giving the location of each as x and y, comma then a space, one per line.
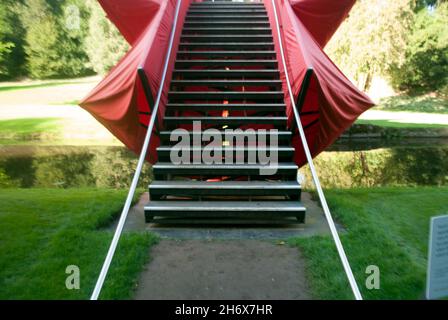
141, 160
147, 90
309, 158
302, 93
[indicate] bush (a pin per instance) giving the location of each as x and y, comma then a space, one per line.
54, 49
426, 63
12, 55
104, 44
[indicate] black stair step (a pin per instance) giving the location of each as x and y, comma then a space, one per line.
226, 63
218, 4
225, 209
238, 11
227, 45
233, 74
226, 38
228, 95
197, 6
225, 24
228, 54
244, 153
171, 122
291, 189
225, 17
161, 169
236, 136
242, 31
227, 83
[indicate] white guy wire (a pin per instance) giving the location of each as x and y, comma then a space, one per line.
141, 160
320, 192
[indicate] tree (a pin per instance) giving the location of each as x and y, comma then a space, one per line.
104, 44
373, 39
54, 44
426, 56
12, 54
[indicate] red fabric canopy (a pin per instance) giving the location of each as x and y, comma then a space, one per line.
332, 103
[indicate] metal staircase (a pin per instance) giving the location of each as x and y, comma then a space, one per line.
226, 77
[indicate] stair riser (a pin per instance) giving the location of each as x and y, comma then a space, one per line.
241, 141
265, 96
227, 74
262, 64
227, 31
243, 156
276, 84
225, 38
195, 217
227, 46
226, 55
157, 194
222, 17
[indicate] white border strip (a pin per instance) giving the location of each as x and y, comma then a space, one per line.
141, 160
309, 158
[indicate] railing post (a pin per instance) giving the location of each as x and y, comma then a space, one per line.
148, 94
302, 93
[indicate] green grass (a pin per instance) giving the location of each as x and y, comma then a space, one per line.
36, 85
400, 125
414, 104
387, 227
42, 231
29, 126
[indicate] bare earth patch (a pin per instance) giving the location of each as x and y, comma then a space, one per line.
223, 269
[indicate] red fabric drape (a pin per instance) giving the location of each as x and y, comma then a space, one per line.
118, 102
332, 103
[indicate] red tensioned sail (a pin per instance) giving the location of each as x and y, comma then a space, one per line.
331, 105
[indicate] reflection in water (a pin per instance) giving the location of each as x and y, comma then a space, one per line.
65, 167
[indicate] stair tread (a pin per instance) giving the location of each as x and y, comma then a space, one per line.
225, 184
228, 206
161, 165
245, 148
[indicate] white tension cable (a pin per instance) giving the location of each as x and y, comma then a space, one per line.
138, 170
309, 158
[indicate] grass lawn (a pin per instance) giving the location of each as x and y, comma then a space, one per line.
36, 84
42, 231
26, 130
400, 125
386, 227
415, 104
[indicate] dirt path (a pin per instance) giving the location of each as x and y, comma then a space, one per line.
223, 269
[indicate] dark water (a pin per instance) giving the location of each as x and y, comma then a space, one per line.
352, 163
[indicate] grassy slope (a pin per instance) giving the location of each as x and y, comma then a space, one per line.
27, 126
400, 125
414, 104
42, 231
387, 227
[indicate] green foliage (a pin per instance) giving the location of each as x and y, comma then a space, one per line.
372, 39
386, 227
42, 231
381, 167
104, 44
426, 56
426, 104
12, 55
54, 39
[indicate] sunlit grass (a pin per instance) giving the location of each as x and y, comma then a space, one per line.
386, 227
42, 231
